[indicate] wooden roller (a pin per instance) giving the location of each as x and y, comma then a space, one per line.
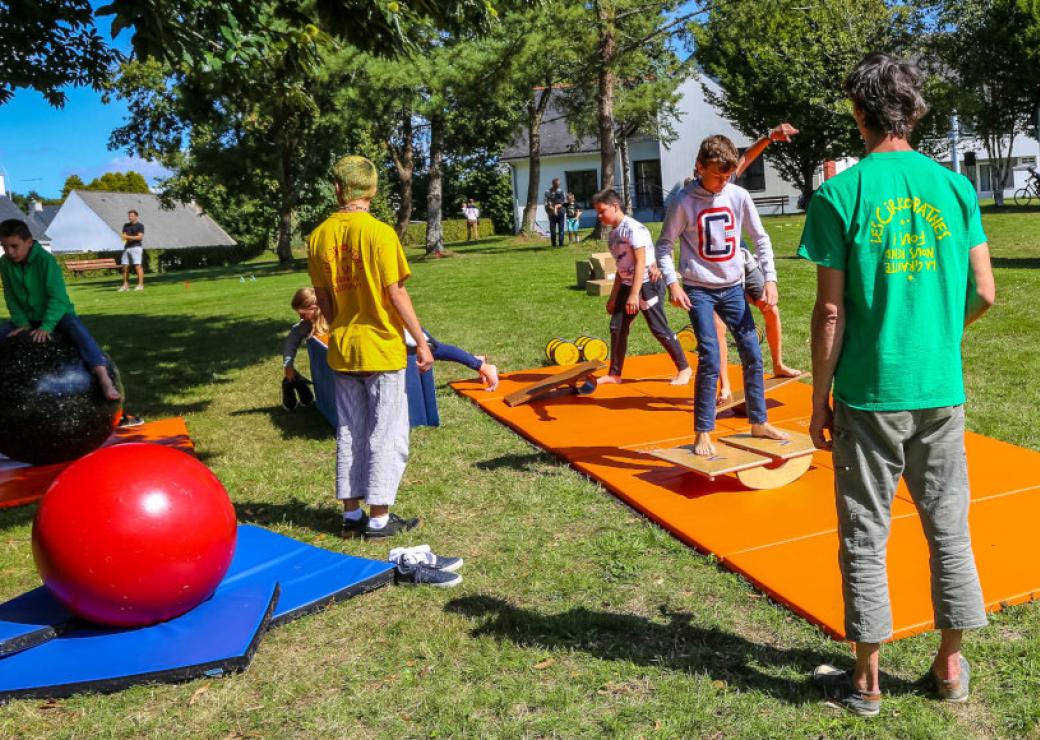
592, 349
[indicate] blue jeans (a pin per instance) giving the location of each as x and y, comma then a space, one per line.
72, 329
733, 309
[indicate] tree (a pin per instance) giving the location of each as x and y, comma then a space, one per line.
120, 182
982, 45
46, 45
72, 182
782, 60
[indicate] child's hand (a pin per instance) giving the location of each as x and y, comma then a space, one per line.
290, 373
679, 297
655, 273
423, 357
40, 335
770, 295
610, 306
632, 304
19, 330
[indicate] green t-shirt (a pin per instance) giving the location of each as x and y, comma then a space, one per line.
900, 227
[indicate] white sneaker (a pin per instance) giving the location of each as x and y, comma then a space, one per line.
122, 289
139, 287
422, 555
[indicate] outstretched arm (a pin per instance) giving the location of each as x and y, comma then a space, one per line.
402, 302
782, 132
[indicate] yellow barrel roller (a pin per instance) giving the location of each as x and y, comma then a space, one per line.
591, 348
687, 339
561, 352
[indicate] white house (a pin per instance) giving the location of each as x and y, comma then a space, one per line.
976, 166
658, 170
91, 221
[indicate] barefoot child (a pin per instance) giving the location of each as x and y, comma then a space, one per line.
709, 214
37, 301
633, 249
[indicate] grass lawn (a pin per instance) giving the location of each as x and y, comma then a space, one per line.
576, 617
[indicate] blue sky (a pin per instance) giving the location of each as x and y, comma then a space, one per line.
40, 146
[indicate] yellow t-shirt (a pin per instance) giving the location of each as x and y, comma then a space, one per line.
357, 257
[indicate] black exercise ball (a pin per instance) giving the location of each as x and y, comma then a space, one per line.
51, 405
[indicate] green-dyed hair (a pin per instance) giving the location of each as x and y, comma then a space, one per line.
357, 178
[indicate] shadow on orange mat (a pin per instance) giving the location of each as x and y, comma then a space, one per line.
22, 484
783, 540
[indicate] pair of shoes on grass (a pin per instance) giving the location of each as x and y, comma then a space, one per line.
296, 392
840, 692
419, 566
362, 528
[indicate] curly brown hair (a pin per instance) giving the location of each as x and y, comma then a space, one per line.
720, 150
888, 92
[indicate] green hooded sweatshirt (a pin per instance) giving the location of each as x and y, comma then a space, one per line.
35, 290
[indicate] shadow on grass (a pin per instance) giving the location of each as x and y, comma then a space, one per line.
162, 356
16, 516
302, 423
531, 462
296, 513
677, 645
201, 274
1016, 263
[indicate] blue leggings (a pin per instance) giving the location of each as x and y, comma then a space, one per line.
72, 329
451, 353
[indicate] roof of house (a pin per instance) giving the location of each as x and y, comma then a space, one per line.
8, 209
556, 137
182, 225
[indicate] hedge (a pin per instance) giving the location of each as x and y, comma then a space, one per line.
454, 231
166, 260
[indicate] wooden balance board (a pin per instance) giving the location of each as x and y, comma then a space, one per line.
580, 378
757, 463
771, 384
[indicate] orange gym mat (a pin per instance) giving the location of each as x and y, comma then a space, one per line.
21, 483
782, 540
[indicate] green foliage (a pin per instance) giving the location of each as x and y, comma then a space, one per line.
24, 202
488, 184
983, 48
48, 45
454, 231
72, 182
786, 60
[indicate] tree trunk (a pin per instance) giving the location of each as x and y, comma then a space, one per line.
605, 58
286, 201
626, 173
434, 198
404, 162
535, 111
805, 184
1000, 164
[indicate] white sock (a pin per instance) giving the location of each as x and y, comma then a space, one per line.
378, 522
353, 516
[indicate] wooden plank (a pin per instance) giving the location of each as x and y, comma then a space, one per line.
778, 449
725, 460
771, 384
560, 379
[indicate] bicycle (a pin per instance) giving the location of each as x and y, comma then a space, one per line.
1024, 195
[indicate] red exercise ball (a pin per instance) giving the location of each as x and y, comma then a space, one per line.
134, 534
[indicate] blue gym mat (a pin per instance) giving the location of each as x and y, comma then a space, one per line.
50, 653
311, 578
31, 619
216, 637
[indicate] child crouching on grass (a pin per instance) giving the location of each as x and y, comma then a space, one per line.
34, 291
633, 249
311, 323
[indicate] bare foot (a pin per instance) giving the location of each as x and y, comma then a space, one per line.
768, 431
489, 374
702, 444
682, 377
108, 388
783, 371
608, 380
